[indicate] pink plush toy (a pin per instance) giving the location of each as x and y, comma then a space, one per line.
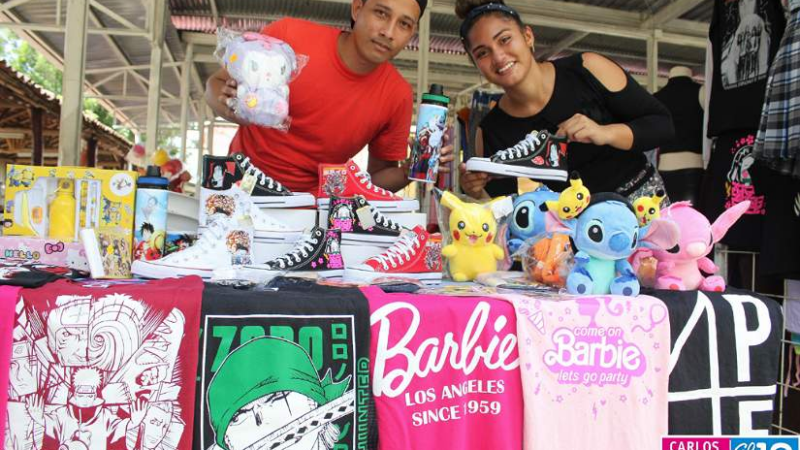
679, 267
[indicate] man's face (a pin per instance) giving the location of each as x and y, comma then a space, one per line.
261, 417
383, 27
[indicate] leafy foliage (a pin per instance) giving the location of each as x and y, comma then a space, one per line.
23, 58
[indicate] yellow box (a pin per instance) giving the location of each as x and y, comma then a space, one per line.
38, 201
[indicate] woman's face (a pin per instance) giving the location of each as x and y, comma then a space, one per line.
501, 50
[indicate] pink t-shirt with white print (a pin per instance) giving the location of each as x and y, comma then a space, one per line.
445, 372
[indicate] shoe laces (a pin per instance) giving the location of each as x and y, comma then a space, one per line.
300, 251
213, 234
365, 179
406, 246
263, 179
383, 220
522, 148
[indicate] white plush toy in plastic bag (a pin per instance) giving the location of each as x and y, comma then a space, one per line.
262, 66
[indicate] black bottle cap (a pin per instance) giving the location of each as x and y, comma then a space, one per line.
153, 171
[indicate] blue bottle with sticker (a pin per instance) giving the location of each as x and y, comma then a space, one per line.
150, 220
431, 123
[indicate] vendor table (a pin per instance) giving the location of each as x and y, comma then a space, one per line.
309, 366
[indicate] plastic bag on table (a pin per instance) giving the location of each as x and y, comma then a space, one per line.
263, 67
469, 233
547, 258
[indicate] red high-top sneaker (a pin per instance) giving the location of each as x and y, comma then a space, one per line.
416, 254
348, 180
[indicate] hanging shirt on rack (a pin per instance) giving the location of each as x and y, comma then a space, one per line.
745, 35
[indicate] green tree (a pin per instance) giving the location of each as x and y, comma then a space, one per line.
23, 58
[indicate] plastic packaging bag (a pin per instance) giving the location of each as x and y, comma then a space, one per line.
263, 67
470, 232
547, 258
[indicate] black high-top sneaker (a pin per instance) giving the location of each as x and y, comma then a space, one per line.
318, 254
223, 172
540, 156
360, 222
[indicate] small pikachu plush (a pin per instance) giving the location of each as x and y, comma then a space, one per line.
473, 228
572, 200
649, 208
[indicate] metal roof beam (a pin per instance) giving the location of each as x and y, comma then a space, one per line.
7, 6
118, 18
107, 79
52, 28
117, 50
562, 15
215, 12
128, 67
670, 12
563, 44
133, 98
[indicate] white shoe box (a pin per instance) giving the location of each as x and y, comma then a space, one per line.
405, 219
182, 213
266, 251
304, 219
354, 255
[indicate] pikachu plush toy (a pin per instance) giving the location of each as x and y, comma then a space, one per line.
473, 228
649, 208
572, 200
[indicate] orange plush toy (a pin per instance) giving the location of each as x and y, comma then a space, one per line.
548, 260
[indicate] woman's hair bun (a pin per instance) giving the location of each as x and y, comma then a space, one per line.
463, 7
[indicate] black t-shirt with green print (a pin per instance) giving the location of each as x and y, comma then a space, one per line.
282, 367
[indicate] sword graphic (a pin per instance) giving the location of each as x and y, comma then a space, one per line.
292, 432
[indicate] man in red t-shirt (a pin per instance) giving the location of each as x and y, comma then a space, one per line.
348, 96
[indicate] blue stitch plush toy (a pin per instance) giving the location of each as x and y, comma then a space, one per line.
528, 217
605, 234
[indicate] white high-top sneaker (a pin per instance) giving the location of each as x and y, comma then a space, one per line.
223, 244
234, 202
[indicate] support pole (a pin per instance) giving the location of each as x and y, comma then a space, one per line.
211, 123
186, 89
652, 61
91, 152
158, 10
423, 192
424, 52
37, 155
71, 121
200, 147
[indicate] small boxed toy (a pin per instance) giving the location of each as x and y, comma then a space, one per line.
57, 202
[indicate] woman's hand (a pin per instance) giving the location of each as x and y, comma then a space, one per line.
473, 183
446, 153
584, 130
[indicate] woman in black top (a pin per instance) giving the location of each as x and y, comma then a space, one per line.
607, 117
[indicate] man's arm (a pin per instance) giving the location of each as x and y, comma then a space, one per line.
389, 175
220, 88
